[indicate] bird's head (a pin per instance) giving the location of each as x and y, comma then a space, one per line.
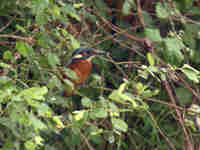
86, 54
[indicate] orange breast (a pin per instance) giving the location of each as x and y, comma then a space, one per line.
82, 69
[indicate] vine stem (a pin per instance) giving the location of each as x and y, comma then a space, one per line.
169, 91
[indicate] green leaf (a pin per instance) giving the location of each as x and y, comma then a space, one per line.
4, 79
53, 60
114, 110
172, 51
38, 140
29, 145
127, 7
37, 123
115, 96
86, 102
54, 82
119, 124
35, 93
161, 11
129, 97
41, 19
20, 28
151, 59
24, 49
79, 115
7, 55
122, 87
70, 74
99, 113
69, 10
69, 86
184, 95
78, 5
44, 110
4, 65
191, 73
101, 7
58, 121
153, 34
75, 43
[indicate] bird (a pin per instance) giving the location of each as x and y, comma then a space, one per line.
81, 65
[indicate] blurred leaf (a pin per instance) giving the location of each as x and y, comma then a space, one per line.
24, 49
74, 42
30, 145
99, 113
78, 5
86, 102
172, 51
127, 7
68, 86
39, 6
79, 115
4, 79
37, 123
69, 10
147, 18
119, 124
19, 27
114, 110
53, 60
5, 66
70, 74
191, 73
184, 95
58, 122
35, 93
102, 7
44, 110
151, 59
115, 96
54, 82
7, 55
122, 87
153, 34
161, 11
38, 140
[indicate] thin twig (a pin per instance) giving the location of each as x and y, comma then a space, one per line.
29, 40
167, 87
120, 69
166, 138
86, 141
4, 27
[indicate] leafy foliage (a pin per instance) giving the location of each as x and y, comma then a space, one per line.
142, 95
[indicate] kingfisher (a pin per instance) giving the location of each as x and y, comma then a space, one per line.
81, 65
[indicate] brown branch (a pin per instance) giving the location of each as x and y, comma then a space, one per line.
29, 40
117, 29
166, 138
86, 141
140, 13
189, 88
118, 67
4, 27
180, 119
6, 43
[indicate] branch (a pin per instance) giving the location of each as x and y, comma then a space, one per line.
29, 40
3, 28
86, 141
167, 87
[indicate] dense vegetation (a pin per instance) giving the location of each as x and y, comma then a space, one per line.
144, 95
